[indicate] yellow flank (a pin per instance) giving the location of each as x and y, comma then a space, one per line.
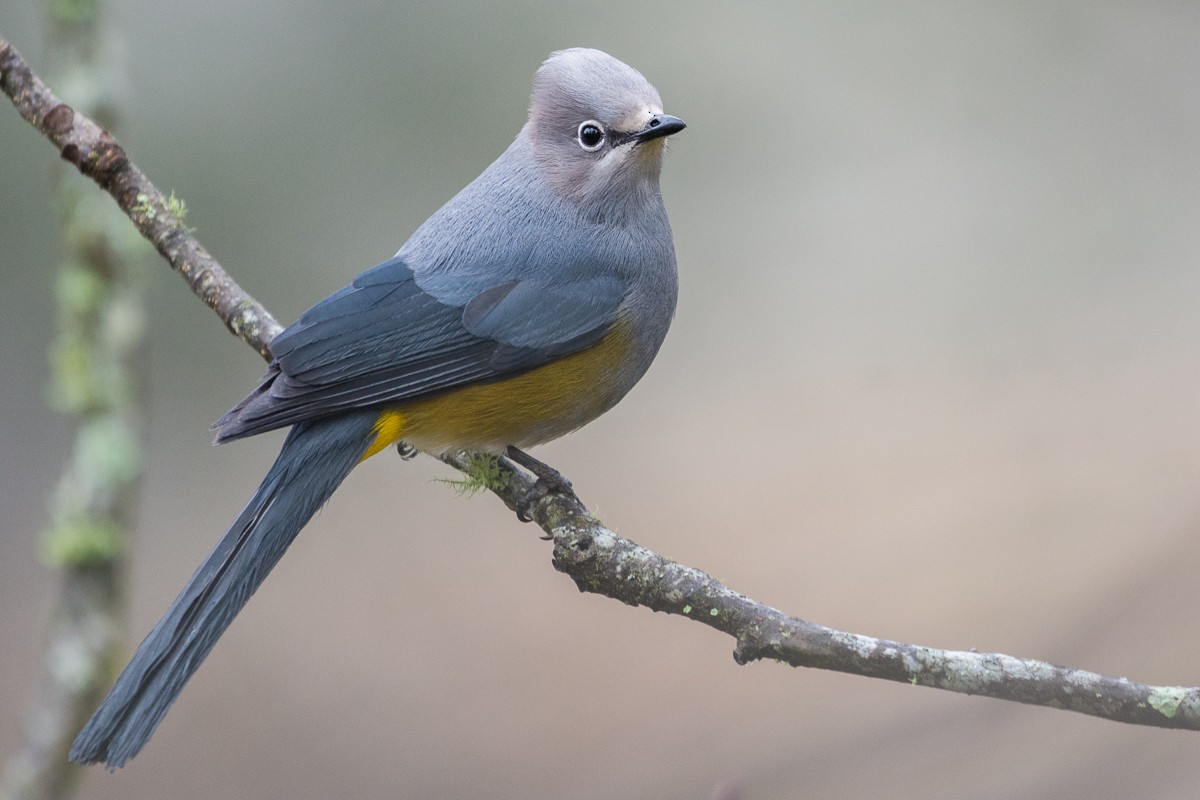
387, 431
524, 410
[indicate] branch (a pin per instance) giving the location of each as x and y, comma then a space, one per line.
95, 153
602, 562
94, 376
596, 558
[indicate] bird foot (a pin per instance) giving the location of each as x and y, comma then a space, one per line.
549, 480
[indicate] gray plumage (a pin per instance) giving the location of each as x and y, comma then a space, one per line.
561, 239
534, 259
315, 458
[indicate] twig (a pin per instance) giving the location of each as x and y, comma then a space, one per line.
600, 561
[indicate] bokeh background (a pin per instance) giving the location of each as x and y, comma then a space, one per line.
935, 376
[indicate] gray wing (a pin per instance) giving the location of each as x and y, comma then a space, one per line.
383, 339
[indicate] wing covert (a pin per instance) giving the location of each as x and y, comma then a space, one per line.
383, 339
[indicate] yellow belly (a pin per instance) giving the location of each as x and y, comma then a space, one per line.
525, 410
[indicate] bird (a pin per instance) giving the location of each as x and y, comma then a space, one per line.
525, 307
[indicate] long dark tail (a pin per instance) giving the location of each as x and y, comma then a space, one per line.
315, 459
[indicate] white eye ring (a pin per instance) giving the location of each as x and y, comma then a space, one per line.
590, 135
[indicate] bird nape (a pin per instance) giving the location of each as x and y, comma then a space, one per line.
524, 308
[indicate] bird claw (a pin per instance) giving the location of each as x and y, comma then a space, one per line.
549, 481
543, 486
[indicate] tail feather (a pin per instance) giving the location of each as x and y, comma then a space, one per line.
316, 457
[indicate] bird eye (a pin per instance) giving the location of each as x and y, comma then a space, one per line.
590, 136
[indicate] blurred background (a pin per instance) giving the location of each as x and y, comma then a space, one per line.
935, 376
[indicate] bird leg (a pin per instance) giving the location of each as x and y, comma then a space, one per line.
548, 480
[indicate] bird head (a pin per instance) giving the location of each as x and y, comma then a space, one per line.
597, 128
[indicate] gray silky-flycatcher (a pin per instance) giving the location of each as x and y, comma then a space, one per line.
525, 307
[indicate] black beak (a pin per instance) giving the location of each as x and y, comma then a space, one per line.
659, 125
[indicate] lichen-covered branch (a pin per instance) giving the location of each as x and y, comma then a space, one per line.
95, 153
94, 361
600, 561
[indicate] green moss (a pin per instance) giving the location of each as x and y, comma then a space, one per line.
176, 206
74, 11
79, 290
82, 542
482, 471
109, 451
75, 389
144, 207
